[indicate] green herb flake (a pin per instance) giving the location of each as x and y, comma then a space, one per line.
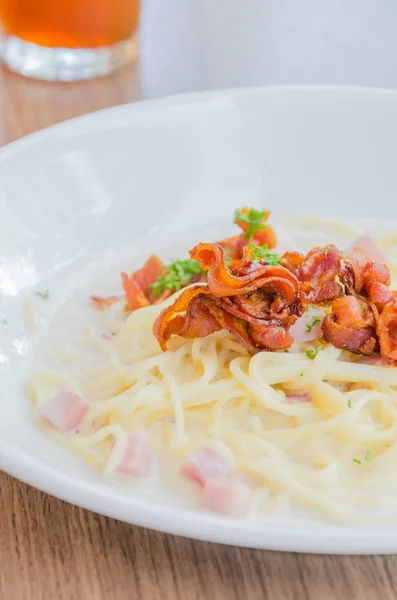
369, 456
358, 462
43, 295
301, 375
363, 308
315, 321
228, 258
312, 353
325, 303
254, 218
349, 403
327, 249
262, 254
177, 274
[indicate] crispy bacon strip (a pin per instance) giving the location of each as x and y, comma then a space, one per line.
387, 330
261, 236
259, 303
104, 302
360, 271
379, 294
197, 313
137, 286
318, 272
292, 261
249, 278
349, 327
172, 319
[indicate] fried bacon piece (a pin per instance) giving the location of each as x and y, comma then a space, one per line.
259, 303
379, 294
197, 313
292, 261
255, 230
359, 271
387, 330
351, 326
137, 287
247, 277
256, 303
318, 274
104, 302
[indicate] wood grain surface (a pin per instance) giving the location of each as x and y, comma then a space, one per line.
51, 550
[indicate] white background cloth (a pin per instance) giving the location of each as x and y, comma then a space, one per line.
189, 45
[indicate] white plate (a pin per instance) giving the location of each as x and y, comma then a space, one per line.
128, 177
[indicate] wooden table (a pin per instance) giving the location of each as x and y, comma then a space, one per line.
51, 550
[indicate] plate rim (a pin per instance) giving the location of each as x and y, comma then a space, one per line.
19, 144
203, 526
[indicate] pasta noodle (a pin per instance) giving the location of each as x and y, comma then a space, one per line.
334, 455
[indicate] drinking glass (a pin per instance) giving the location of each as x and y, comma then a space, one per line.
68, 39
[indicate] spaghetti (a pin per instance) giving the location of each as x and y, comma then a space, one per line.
313, 428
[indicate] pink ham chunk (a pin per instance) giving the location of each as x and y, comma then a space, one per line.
226, 498
64, 411
371, 248
139, 456
308, 326
206, 464
298, 397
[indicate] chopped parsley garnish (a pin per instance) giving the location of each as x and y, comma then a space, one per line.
315, 321
312, 353
363, 308
327, 249
367, 456
301, 375
254, 218
43, 295
261, 253
228, 258
325, 303
349, 403
176, 276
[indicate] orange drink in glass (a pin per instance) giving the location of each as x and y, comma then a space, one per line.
68, 39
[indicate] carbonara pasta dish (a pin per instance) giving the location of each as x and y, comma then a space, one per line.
261, 376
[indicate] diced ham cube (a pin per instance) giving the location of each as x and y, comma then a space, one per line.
226, 498
206, 464
298, 397
371, 248
308, 326
139, 456
64, 411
